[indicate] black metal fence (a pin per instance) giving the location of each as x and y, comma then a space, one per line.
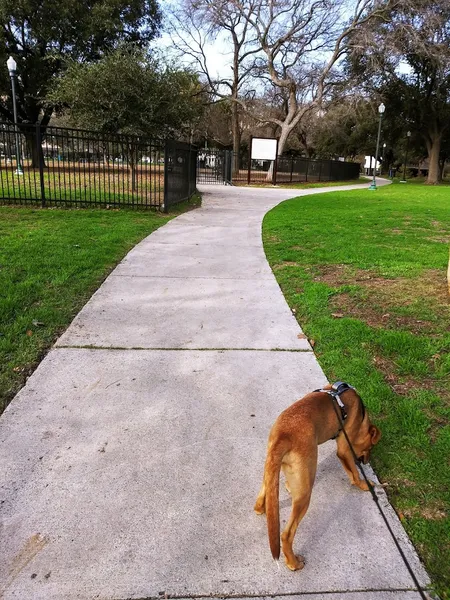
220, 166
287, 169
72, 167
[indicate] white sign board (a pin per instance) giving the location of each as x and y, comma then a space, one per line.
370, 162
264, 149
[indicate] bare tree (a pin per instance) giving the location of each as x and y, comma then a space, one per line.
299, 44
194, 26
292, 47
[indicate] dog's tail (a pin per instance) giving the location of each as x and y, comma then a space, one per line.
272, 484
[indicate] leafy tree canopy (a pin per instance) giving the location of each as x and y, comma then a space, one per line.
416, 35
129, 91
42, 35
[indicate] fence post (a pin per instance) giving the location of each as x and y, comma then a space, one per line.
41, 161
249, 173
306, 172
320, 170
292, 167
192, 170
229, 166
166, 177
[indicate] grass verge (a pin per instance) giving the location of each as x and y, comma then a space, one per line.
365, 273
307, 185
51, 262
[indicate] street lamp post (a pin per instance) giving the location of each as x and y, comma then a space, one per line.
12, 68
408, 135
381, 109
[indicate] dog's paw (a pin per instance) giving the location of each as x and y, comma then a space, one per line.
260, 507
297, 565
362, 485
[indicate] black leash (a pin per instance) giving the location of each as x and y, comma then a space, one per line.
374, 496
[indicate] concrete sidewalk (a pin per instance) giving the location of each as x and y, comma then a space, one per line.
130, 462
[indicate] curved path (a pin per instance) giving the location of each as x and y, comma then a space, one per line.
130, 461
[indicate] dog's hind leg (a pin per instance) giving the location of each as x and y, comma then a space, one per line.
300, 474
260, 504
286, 483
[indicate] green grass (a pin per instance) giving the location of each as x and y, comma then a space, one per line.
416, 180
51, 262
308, 185
365, 273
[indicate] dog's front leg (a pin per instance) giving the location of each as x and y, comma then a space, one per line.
345, 456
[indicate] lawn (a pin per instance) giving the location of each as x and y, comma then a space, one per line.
365, 274
51, 262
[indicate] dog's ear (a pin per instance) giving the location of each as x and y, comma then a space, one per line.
375, 434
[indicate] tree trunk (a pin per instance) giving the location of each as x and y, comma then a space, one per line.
236, 136
133, 159
285, 132
434, 149
37, 154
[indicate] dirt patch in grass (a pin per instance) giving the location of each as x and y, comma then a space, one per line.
439, 240
431, 512
417, 305
382, 301
375, 312
405, 386
431, 281
285, 264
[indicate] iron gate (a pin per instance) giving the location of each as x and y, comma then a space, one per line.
214, 166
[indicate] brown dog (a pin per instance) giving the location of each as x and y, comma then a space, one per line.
293, 447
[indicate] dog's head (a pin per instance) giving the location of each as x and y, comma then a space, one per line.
369, 436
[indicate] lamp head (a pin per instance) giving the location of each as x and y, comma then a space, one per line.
12, 65
381, 108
